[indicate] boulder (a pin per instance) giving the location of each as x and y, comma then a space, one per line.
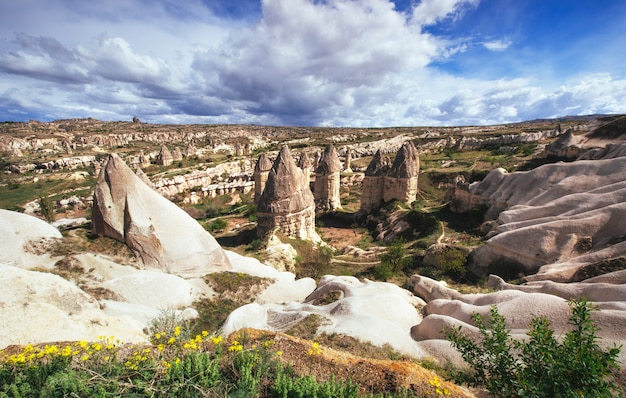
158, 232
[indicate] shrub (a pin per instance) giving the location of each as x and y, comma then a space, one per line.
541, 366
47, 208
393, 261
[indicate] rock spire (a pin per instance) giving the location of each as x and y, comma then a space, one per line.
261, 172
327, 180
287, 202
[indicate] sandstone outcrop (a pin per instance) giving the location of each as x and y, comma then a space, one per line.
327, 180
160, 233
566, 147
287, 202
261, 172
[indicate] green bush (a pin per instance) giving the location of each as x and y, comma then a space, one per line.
542, 366
392, 262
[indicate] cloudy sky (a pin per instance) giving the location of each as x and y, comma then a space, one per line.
312, 62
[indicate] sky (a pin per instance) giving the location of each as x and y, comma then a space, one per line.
350, 63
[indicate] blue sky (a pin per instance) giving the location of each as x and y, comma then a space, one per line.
361, 63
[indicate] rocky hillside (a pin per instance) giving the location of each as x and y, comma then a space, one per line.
101, 245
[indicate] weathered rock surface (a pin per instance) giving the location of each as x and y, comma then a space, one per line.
372, 188
287, 202
383, 183
553, 214
378, 312
401, 179
26, 241
261, 172
164, 158
41, 307
327, 180
160, 233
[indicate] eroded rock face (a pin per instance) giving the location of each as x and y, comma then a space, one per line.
396, 182
372, 189
261, 172
327, 180
287, 202
555, 214
164, 158
401, 180
160, 233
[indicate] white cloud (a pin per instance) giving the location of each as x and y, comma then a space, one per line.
332, 62
497, 45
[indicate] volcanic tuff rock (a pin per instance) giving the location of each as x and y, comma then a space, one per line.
287, 201
327, 180
160, 233
372, 190
385, 183
552, 216
164, 158
305, 164
261, 172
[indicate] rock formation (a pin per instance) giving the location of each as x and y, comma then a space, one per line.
327, 180
190, 150
347, 163
304, 163
144, 161
383, 183
566, 147
164, 158
372, 189
160, 233
401, 179
261, 172
287, 202
559, 217
177, 155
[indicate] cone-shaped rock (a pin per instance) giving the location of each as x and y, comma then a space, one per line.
261, 172
287, 202
304, 163
160, 233
373, 184
177, 155
401, 180
327, 180
164, 157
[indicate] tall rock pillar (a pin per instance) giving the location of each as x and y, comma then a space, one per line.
327, 180
401, 180
373, 182
287, 202
261, 172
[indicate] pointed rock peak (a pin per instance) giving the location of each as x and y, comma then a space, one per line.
164, 150
329, 162
378, 165
304, 162
263, 163
284, 179
160, 233
406, 163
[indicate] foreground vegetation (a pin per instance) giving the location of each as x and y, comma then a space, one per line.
543, 366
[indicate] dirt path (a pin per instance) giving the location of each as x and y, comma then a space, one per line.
443, 233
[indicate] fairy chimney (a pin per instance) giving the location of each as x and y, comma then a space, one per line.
191, 150
327, 180
304, 163
372, 188
347, 163
400, 182
177, 155
261, 171
144, 161
287, 202
164, 158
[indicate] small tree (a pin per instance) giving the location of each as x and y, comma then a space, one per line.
392, 261
47, 208
541, 366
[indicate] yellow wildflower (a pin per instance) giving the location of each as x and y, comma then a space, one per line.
315, 349
216, 339
177, 331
